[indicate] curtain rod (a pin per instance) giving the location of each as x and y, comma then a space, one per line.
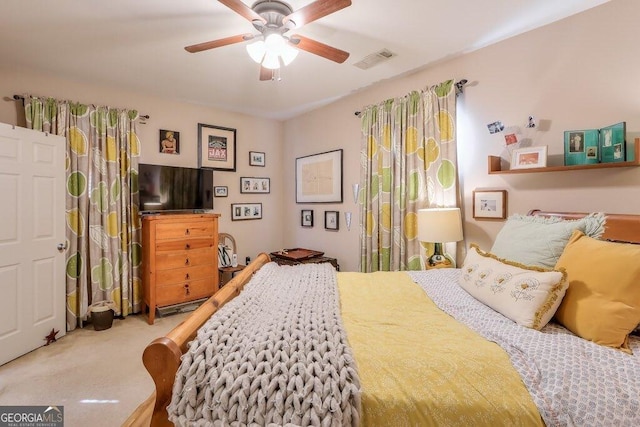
459, 89
21, 98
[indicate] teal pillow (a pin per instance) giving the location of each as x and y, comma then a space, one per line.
539, 241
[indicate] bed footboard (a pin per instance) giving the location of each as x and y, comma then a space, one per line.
162, 356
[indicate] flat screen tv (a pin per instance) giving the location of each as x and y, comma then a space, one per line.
173, 188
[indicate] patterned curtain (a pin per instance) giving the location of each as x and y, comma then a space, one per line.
408, 162
103, 226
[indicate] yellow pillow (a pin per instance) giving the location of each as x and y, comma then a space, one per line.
602, 303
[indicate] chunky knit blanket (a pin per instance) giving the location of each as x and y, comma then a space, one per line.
275, 355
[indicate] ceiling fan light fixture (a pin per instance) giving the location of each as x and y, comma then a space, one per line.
273, 19
288, 54
271, 60
257, 51
274, 43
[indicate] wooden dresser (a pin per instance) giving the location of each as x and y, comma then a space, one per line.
180, 259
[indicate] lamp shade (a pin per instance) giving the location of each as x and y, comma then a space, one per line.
288, 54
257, 50
439, 225
271, 61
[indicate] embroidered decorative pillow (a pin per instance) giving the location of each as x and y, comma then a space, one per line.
602, 303
539, 241
527, 295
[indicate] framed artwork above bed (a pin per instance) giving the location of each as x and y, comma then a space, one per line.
489, 204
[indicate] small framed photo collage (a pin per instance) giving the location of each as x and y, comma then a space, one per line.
248, 185
589, 146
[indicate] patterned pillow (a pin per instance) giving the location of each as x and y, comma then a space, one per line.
527, 295
602, 303
539, 241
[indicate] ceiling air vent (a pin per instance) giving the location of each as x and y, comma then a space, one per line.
374, 59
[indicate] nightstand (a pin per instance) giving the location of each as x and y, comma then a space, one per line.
225, 274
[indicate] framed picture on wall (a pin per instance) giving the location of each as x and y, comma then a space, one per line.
169, 141
490, 204
221, 191
216, 148
256, 158
306, 218
255, 185
245, 211
331, 220
319, 178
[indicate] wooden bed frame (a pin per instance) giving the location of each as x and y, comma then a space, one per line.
162, 356
618, 228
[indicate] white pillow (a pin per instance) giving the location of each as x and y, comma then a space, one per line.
529, 296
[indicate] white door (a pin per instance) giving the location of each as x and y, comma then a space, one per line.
32, 275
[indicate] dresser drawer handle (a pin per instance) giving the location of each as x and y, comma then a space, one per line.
186, 232
187, 246
186, 276
186, 262
186, 289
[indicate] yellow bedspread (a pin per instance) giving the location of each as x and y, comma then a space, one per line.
447, 375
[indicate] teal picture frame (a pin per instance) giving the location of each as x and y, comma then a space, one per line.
613, 143
581, 147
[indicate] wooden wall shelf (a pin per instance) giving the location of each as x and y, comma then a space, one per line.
494, 166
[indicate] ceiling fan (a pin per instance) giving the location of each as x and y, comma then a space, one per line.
274, 18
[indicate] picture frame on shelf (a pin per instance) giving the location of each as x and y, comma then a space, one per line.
220, 191
490, 204
257, 158
319, 178
246, 211
169, 141
306, 218
613, 143
529, 157
255, 185
216, 147
581, 147
332, 220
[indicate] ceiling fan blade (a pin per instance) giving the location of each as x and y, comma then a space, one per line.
320, 49
218, 43
243, 10
266, 74
313, 11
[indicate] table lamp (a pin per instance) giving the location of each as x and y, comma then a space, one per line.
438, 226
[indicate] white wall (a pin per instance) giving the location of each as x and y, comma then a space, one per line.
253, 134
578, 73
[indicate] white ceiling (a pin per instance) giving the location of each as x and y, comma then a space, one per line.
139, 45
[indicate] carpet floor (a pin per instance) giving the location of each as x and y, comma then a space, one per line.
98, 376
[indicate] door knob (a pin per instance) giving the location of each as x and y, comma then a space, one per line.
62, 247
